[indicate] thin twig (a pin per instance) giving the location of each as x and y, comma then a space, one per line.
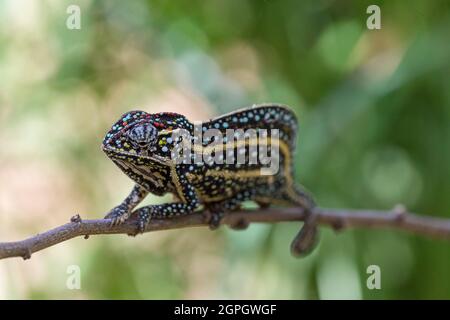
338, 219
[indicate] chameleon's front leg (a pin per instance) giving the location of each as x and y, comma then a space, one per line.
123, 211
189, 201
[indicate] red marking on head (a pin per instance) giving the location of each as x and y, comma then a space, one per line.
158, 124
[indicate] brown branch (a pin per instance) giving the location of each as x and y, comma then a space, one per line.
338, 219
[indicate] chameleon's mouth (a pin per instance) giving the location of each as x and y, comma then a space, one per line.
115, 153
112, 151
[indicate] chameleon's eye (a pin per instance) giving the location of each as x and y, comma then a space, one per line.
142, 135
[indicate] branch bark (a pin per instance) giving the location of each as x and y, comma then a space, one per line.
338, 219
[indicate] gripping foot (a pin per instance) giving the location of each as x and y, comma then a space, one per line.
118, 215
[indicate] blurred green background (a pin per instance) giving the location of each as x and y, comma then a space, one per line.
374, 108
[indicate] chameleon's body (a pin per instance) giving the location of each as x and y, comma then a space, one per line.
142, 145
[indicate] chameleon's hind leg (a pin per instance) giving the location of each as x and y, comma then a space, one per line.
306, 239
123, 211
217, 210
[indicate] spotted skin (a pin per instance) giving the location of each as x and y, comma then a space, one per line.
142, 146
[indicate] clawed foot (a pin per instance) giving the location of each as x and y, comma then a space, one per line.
118, 215
144, 217
213, 219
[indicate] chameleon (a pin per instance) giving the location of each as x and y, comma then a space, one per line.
143, 146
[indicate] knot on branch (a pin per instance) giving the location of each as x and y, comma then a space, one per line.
76, 218
27, 254
338, 225
400, 213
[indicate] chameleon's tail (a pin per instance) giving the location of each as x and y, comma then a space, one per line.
307, 238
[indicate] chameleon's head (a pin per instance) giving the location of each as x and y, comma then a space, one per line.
133, 135
141, 145
139, 137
